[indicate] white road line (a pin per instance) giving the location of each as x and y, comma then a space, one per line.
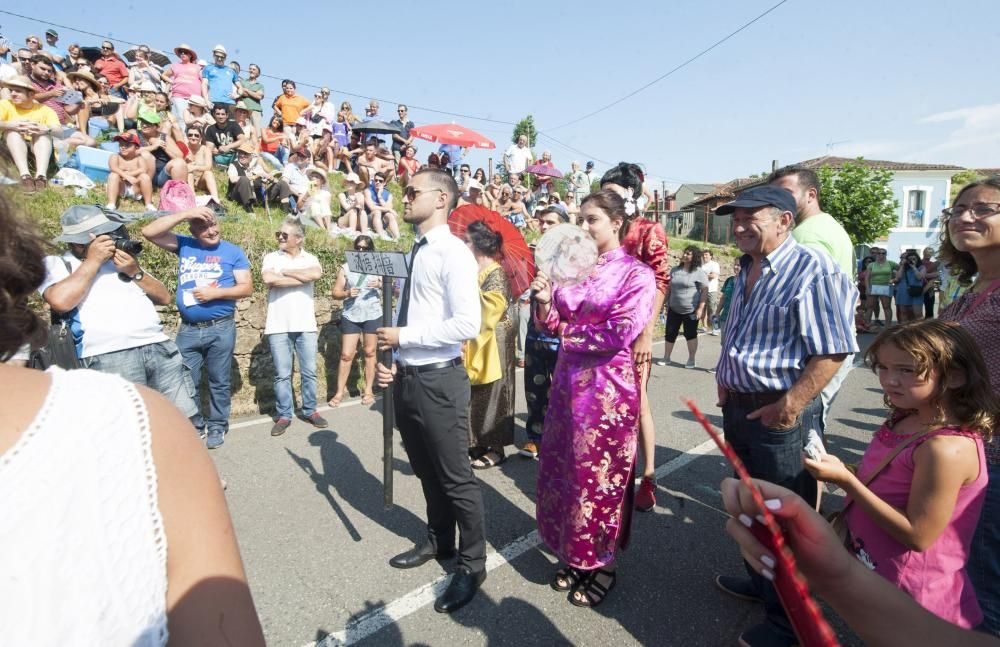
364, 626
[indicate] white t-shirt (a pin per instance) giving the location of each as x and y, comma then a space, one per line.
290, 309
518, 158
709, 268
114, 314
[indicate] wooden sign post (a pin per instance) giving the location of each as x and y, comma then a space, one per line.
388, 265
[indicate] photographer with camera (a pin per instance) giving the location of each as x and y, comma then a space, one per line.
99, 288
909, 281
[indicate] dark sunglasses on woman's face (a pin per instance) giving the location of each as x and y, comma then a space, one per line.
280, 235
361, 248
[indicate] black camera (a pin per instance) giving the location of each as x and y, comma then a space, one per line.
124, 243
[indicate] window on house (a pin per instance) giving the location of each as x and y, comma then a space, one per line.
915, 208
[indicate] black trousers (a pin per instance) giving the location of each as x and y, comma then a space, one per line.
674, 322
244, 191
432, 413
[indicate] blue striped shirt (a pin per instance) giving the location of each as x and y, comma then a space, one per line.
801, 306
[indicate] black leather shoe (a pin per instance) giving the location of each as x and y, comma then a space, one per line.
461, 590
419, 555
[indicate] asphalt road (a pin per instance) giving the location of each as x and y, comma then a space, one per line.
315, 538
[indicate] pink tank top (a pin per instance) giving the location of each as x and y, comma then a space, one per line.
936, 577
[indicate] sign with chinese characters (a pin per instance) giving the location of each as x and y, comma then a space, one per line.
378, 263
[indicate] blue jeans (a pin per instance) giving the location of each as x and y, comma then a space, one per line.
157, 366
211, 348
773, 455
984, 558
304, 346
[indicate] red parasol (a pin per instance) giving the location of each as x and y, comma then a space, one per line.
516, 257
452, 134
544, 170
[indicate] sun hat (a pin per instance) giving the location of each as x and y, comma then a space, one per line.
352, 178
198, 100
245, 147
80, 221
318, 174
219, 48
19, 81
242, 105
184, 47
86, 76
147, 86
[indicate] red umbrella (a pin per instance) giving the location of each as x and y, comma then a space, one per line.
516, 258
544, 169
452, 134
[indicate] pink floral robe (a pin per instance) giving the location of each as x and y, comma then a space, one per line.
589, 441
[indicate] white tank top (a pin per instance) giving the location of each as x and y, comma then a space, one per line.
82, 550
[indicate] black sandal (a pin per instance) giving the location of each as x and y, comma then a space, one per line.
567, 579
489, 459
593, 592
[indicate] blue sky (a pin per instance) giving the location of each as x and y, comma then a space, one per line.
887, 79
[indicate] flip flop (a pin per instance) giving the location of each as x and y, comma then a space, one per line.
335, 401
368, 398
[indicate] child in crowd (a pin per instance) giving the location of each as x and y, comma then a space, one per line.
913, 505
722, 310
317, 204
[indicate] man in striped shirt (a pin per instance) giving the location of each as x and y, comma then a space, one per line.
790, 327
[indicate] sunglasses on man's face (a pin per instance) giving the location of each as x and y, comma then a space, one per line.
281, 235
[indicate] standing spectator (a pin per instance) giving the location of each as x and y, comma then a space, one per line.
544, 182
932, 280
579, 184
432, 400
212, 275
687, 298
711, 269
371, 114
489, 358
290, 105
591, 175
880, 274
722, 313
57, 54
381, 212
218, 81
111, 67
142, 70
251, 91
517, 157
200, 163
401, 140
129, 173
540, 354
455, 154
289, 275
318, 115
248, 180
790, 327
970, 249
75, 61
224, 136
909, 287
28, 125
588, 450
185, 80
359, 319
108, 301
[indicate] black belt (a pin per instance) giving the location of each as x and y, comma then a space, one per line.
754, 400
436, 366
211, 322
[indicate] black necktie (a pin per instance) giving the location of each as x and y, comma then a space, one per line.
404, 300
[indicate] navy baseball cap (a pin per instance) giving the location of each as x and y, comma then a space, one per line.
760, 196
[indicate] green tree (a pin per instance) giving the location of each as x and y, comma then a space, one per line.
860, 198
962, 178
525, 127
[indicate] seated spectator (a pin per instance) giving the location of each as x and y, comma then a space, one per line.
168, 123
86, 85
167, 156
294, 176
317, 204
480, 176
129, 174
248, 179
321, 150
511, 207
112, 107
473, 194
378, 203
243, 121
352, 219
218, 81
111, 67
491, 196
224, 136
142, 69
49, 91
290, 105
341, 140
196, 112
74, 59
408, 165
141, 102
184, 79
28, 125
370, 164
299, 139
199, 163
273, 143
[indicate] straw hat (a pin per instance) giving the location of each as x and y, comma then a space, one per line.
245, 147
318, 174
184, 47
20, 81
198, 100
352, 178
86, 76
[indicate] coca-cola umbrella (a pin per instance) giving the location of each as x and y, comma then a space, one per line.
516, 258
544, 169
453, 134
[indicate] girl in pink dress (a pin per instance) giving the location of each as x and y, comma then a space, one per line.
913, 523
587, 456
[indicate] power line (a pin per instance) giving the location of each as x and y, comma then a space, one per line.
679, 67
275, 78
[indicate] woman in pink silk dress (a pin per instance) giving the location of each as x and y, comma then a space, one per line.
588, 447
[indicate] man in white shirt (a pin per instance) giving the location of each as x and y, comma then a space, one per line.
711, 269
518, 156
289, 274
106, 299
438, 310
295, 177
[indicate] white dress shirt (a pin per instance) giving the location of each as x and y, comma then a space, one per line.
444, 308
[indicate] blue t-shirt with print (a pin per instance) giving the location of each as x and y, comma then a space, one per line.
220, 83
201, 266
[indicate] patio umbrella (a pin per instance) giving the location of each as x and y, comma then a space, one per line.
156, 57
376, 127
452, 134
544, 169
516, 257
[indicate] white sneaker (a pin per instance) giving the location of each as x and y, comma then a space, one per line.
111, 206
150, 207
660, 361
715, 332
690, 364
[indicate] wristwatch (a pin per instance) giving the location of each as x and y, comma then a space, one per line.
138, 276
